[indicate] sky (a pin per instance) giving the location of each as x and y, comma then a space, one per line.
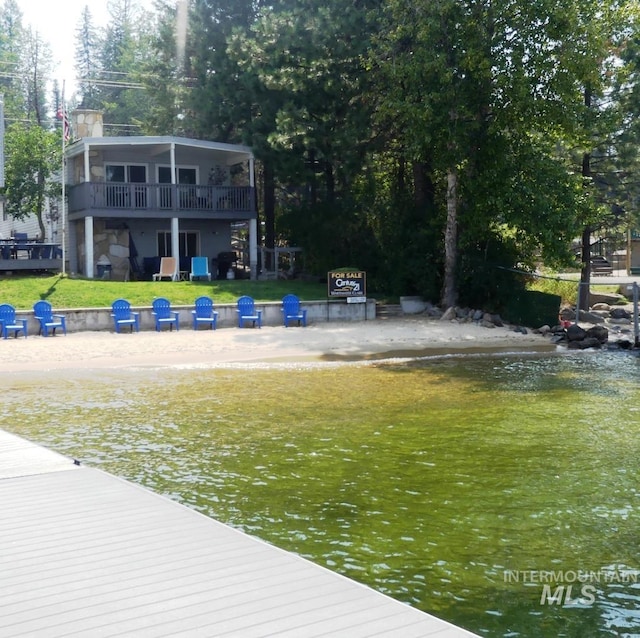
57, 22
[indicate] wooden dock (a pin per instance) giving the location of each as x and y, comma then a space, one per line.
83, 553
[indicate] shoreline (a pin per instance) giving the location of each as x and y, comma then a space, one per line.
373, 340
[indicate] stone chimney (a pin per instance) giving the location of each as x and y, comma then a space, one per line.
86, 123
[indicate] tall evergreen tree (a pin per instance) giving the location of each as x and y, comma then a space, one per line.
87, 58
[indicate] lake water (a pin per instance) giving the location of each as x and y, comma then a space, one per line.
461, 485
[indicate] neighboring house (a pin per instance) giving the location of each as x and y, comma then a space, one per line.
133, 200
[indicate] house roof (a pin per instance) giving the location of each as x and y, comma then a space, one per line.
235, 152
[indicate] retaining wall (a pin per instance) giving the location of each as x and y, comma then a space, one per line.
87, 319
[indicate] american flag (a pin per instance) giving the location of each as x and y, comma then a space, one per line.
66, 127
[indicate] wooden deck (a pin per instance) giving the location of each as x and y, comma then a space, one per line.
83, 553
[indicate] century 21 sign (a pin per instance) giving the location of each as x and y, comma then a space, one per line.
347, 283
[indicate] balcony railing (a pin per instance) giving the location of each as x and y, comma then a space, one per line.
176, 197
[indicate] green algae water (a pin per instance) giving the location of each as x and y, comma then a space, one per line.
497, 492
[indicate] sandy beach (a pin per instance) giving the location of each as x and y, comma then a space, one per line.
381, 338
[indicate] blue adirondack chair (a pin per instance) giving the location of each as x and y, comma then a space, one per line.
9, 322
164, 315
247, 312
123, 316
204, 313
43, 312
199, 268
291, 311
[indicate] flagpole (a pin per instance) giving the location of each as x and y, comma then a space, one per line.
64, 198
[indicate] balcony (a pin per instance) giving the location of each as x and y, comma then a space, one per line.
161, 200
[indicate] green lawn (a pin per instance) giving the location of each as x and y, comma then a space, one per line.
62, 292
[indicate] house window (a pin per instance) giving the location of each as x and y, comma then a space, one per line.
126, 185
187, 244
186, 179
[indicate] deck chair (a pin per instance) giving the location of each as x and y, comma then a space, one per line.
168, 268
199, 268
123, 316
204, 313
164, 315
291, 311
247, 312
9, 322
43, 312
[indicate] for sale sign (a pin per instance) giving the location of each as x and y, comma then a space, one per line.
347, 283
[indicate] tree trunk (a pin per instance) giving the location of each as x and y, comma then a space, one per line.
449, 292
423, 190
269, 211
585, 272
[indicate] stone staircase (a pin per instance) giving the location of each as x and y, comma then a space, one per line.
388, 311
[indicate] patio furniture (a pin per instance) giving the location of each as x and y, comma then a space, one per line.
204, 313
247, 312
199, 268
8, 321
43, 312
164, 315
168, 268
123, 316
291, 311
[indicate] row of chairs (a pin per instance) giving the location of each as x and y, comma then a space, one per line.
203, 313
42, 312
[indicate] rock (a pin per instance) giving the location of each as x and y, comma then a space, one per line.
497, 320
487, 324
567, 314
543, 330
610, 298
433, 311
620, 313
621, 322
448, 314
589, 342
601, 306
589, 317
412, 305
575, 333
597, 332
477, 315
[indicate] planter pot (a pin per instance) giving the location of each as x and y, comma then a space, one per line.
412, 305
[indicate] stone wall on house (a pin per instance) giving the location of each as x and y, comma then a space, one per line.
111, 242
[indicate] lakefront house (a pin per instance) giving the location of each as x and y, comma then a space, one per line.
133, 200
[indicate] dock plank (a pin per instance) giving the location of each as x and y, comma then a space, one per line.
84, 553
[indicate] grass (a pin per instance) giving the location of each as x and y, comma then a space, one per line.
568, 290
63, 292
